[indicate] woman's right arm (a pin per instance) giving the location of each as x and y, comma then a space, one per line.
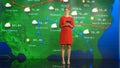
61, 25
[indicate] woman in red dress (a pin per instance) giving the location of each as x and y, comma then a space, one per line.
66, 25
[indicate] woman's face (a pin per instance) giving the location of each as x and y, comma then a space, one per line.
66, 11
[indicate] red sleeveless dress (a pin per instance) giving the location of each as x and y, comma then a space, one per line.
66, 31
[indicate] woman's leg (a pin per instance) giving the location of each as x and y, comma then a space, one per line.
69, 53
62, 51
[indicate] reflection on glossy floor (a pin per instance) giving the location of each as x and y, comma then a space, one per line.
44, 63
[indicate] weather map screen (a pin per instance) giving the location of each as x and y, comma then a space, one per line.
31, 27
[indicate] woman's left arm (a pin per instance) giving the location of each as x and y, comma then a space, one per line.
72, 23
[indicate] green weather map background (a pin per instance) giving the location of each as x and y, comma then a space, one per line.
31, 27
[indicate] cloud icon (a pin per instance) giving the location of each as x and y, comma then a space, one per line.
34, 22
74, 13
54, 26
27, 9
86, 31
94, 10
51, 8
65, 0
7, 25
8, 5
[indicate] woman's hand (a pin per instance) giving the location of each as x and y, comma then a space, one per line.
67, 24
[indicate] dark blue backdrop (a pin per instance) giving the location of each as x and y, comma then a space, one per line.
109, 42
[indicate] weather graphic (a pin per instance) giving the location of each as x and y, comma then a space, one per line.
31, 27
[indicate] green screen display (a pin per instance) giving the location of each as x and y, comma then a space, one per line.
31, 27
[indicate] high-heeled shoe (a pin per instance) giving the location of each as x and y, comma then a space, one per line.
68, 62
63, 62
